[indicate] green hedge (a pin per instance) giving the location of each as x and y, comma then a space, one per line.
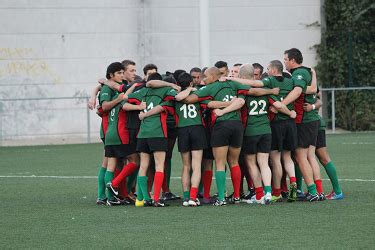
349, 20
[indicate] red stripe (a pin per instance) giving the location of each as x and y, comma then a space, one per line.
121, 127
244, 115
242, 92
298, 107
168, 98
163, 121
105, 122
134, 101
271, 115
200, 99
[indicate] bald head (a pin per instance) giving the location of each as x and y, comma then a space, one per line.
246, 71
211, 75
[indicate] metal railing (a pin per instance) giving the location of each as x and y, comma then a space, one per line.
333, 106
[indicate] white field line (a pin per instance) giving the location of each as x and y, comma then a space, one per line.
94, 177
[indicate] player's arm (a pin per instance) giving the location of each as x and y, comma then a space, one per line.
280, 107
183, 94
235, 105
113, 85
252, 83
317, 105
92, 101
134, 107
219, 104
293, 95
262, 91
108, 105
160, 84
154, 111
193, 98
313, 88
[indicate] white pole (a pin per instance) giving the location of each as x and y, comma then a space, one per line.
204, 33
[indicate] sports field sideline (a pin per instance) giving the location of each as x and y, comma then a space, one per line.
56, 208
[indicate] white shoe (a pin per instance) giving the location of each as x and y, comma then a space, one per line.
267, 198
185, 203
253, 200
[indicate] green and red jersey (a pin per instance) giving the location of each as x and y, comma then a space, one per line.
255, 116
154, 126
117, 133
189, 114
285, 85
223, 91
301, 77
104, 122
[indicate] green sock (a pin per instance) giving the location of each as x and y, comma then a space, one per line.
139, 191
268, 189
186, 195
101, 183
130, 180
108, 178
142, 180
331, 172
220, 183
299, 177
168, 170
312, 189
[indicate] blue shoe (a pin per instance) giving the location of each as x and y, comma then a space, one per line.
334, 196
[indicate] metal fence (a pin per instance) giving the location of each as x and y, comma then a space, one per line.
69, 117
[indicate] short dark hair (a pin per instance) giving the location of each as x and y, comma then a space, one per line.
126, 63
184, 80
113, 68
237, 64
277, 65
221, 64
195, 69
154, 76
258, 66
177, 73
148, 67
169, 79
295, 54
204, 69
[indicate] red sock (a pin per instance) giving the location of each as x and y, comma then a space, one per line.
259, 193
292, 179
319, 187
123, 190
207, 180
126, 171
276, 191
158, 182
193, 193
235, 173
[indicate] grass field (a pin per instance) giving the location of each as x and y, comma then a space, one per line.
61, 212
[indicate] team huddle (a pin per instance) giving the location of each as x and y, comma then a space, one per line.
262, 127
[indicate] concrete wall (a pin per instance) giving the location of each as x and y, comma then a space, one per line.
55, 48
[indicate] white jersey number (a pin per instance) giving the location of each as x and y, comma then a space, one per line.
189, 111
254, 104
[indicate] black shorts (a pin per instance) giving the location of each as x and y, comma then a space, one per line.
207, 152
284, 135
117, 151
257, 144
133, 140
150, 145
172, 133
307, 134
321, 140
191, 138
227, 133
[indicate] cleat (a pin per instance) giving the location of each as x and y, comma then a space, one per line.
219, 203
285, 194
111, 203
292, 192
207, 201
267, 198
112, 190
101, 201
322, 196
185, 203
200, 195
334, 196
276, 198
139, 203
234, 200
195, 203
160, 204
169, 196
248, 195
255, 201
148, 203
300, 195
311, 198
